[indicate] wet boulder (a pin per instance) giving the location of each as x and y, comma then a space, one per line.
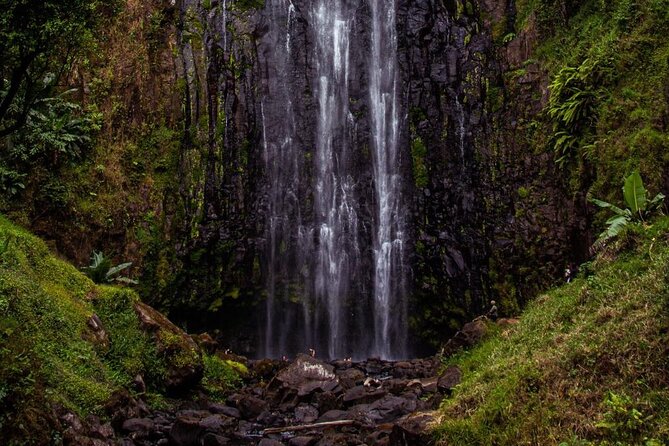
363, 395
95, 333
186, 431
351, 377
304, 377
470, 334
205, 342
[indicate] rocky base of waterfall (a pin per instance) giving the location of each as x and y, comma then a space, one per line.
307, 402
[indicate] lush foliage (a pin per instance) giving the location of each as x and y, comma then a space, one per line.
56, 131
639, 207
586, 364
572, 108
38, 41
609, 65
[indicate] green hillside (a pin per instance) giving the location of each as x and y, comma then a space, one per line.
588, 362
48, 353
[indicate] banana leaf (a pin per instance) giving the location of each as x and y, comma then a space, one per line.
635, 193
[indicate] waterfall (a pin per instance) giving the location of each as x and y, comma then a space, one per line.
336, 218
282, 162
389, 303
334, 266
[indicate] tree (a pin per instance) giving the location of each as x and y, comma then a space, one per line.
38, 41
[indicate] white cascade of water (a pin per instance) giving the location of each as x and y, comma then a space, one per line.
389, 301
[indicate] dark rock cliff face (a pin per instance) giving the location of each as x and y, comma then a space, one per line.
489, 218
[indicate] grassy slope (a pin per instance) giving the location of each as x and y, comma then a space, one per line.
587, 364
46, 356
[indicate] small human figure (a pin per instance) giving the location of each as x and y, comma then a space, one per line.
570, 272
492, 313
567, 274
312, 352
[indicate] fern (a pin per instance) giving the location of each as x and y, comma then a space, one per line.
572, 106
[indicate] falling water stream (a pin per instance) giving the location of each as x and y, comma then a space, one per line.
321, 256
389, 304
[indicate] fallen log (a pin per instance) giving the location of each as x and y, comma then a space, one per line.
304, 427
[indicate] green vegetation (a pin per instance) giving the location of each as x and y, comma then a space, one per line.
572, 108
221, 376
586, 364
609, 65
38, 43
101, 270
639, 207
48, 353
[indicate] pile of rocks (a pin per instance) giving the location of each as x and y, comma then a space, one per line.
304, 403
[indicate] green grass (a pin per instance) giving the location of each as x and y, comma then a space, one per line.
588, 363
46, 356
49, 357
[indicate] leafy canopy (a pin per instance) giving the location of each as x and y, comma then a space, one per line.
38, 41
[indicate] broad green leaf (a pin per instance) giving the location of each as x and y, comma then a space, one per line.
635, 193
616, 224
117, 269
607, 205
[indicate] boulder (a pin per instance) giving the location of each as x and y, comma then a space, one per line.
96, 333
349, 378
269, 442
122, 406
205, 342
297, 382
334, 415
305, 414
217, 423
391, 408
326, 401
449, 379
224, 410
186, 431
250, 406
266, 369
470, 335
303, 440
426, 385
183, 356
143, 425
210, 439
413, 430
363, 395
